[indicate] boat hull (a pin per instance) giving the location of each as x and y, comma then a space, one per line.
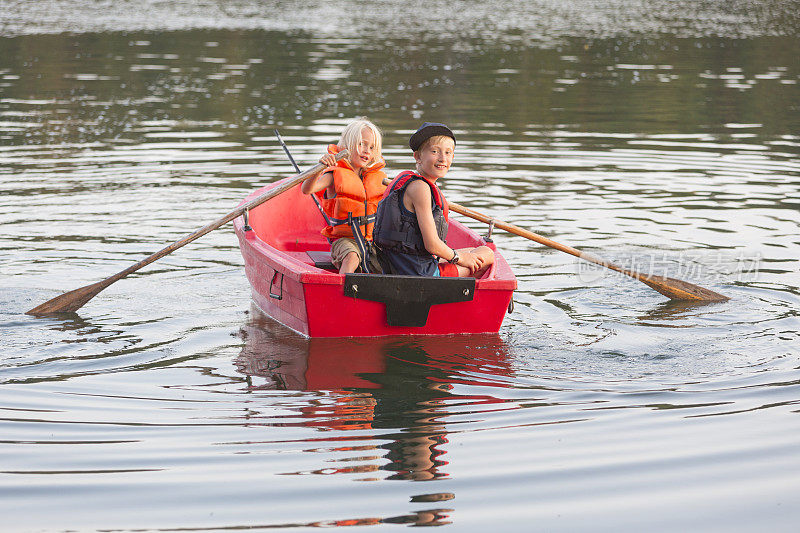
287, 286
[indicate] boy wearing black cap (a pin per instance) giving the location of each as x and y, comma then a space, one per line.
411, 225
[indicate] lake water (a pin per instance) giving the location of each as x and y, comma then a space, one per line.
661, 135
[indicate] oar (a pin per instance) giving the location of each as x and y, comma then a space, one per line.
669, 287
73, 300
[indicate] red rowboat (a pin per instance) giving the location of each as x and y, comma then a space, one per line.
293, 282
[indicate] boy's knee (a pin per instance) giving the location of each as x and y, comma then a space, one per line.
352, 256
486, 253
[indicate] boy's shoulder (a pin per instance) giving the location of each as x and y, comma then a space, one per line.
419, 190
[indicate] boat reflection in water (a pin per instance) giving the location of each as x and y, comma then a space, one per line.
398, 391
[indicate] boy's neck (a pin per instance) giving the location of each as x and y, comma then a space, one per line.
429, 178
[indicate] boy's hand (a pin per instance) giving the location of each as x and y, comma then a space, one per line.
328, 160
470, 260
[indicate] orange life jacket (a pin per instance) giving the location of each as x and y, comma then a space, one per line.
356, 198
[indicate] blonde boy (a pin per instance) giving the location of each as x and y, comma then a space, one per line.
349, 192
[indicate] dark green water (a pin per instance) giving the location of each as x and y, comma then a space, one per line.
662, 135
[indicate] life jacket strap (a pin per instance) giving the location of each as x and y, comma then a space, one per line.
350, 220
406, 176
360, 241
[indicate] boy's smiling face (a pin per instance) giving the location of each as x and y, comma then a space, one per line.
435, 157
365, 151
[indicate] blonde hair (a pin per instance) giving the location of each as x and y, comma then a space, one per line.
435, 138
351, 137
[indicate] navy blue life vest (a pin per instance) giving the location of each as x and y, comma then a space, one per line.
396, 228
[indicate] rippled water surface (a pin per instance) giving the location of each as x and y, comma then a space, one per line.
661, 135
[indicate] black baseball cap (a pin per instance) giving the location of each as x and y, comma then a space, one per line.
428, 130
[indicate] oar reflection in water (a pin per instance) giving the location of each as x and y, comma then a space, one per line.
398, 388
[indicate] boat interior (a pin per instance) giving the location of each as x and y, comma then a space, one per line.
291, 223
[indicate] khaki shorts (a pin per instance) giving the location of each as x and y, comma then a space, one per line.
343, 246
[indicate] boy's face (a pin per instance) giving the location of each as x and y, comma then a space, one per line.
435, 157
365, 150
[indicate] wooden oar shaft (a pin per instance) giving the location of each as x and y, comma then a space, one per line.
73, 300
516, 230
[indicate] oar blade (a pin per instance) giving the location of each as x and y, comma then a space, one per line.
677, 289
69, 302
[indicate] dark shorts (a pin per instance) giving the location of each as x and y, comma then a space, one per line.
417, 265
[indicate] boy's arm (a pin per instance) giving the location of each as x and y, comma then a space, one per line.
419, 194
317, 183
